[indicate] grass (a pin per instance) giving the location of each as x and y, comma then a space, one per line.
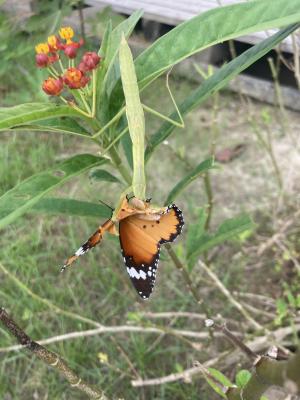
98, 288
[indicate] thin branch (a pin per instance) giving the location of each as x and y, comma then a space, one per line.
229, 296
114, 329
279, 232
50, 358
233, 339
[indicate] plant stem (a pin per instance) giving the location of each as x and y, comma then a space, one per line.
88, 108
210, 202
119, 165
94, 93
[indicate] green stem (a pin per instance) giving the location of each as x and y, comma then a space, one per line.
85, 103
61, 65
209, 194
115, 140
113, 120
119, 165
94, 93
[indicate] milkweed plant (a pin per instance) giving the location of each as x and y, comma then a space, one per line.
95, 95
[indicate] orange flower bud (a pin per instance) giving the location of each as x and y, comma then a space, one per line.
53, 87
75, 78
42, 48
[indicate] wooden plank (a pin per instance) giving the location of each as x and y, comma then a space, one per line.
173, 12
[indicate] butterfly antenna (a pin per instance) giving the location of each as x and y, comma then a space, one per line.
105, 204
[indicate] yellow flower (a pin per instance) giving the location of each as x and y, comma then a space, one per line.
103, 358
52, 41
42, 48
66, 33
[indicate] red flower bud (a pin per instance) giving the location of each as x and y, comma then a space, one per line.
42, 60
75, 78
90, 60
53, 87
71, 50
53, 58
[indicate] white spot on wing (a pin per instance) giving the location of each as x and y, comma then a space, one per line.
80, 251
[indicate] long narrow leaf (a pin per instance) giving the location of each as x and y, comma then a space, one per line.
106, 75
227, 230
56, 125
31, 112
189, 178
71, 207
217, 82
23, 196
212, 27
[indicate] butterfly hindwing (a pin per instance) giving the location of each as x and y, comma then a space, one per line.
140, 240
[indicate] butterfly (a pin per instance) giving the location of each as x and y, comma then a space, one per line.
142, 231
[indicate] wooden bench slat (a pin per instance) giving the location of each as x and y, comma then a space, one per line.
173, 12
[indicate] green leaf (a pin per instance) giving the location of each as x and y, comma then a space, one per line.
216, 82
220, 377
56, 125
189, 178
227, 230
71, 207
26, 113
242, 378
22, 197
212, 27
103, 175
107, 75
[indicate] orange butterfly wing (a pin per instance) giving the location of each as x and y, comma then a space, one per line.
140, 240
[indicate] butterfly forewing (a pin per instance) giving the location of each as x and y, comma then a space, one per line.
140, 241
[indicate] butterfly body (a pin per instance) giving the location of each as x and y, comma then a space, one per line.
142, 231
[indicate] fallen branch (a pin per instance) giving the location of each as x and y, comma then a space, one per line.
50, 358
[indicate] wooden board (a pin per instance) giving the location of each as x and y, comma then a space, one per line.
173, 12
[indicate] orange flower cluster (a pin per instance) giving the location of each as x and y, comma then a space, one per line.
73, 77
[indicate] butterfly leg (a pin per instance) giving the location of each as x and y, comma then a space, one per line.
90, 243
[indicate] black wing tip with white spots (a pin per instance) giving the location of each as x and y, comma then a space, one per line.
143, 276
179, 226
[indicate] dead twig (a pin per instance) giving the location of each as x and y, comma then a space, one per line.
50, 358
229, 296
114, 329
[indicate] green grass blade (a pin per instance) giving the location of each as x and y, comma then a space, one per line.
189, 178
212, 27
31, 112
23, 196
71, 207
55, 125
216, 82
227, 230
135, 118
